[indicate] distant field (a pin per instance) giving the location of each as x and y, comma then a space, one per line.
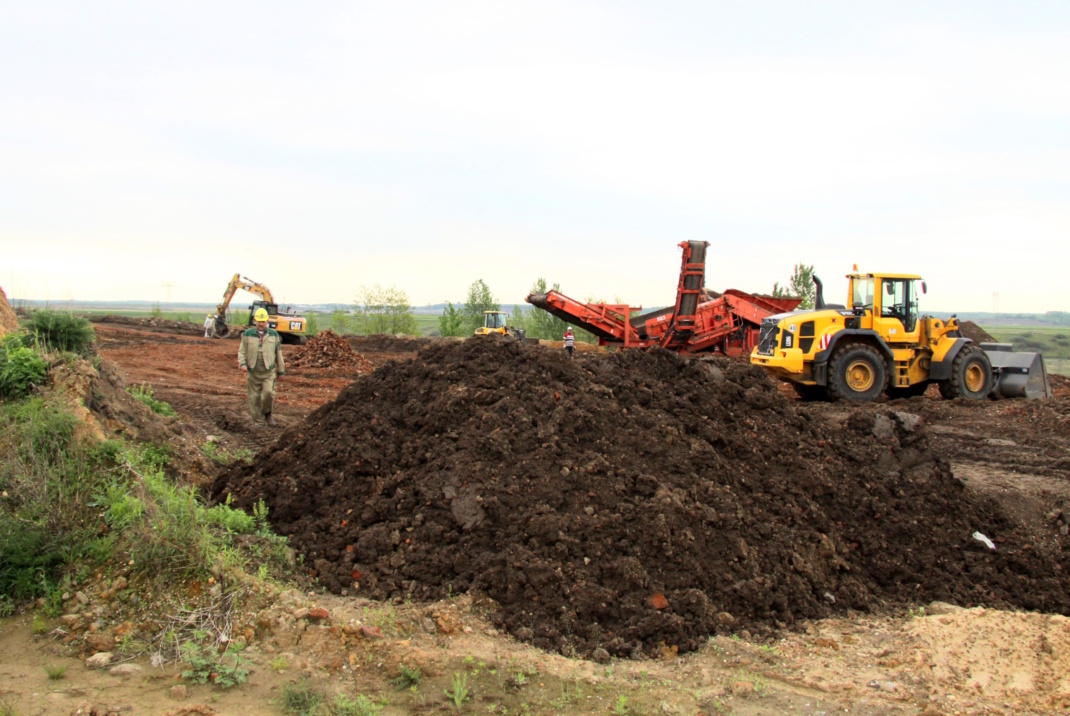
426, 324
1053, 342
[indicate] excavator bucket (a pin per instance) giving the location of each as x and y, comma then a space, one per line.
221, 327
1017, 375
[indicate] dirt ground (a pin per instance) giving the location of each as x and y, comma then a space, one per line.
872, 649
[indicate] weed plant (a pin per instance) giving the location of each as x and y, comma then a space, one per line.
360, 706
145, 394
407, 677
458, 692
55, 671
21, 369
206, 665
302, 699
61, 331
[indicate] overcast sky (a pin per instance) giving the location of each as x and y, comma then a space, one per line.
319, 147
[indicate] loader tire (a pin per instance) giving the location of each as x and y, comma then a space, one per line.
971, 375
857, 373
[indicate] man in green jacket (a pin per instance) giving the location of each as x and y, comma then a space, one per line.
260, 358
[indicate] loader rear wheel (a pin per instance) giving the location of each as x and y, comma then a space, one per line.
857, 373
971, 375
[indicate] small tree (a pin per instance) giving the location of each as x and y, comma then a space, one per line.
480, 299
451, 322
519, 318
383, 310
542, 324
312, 324
341, 323
801, 284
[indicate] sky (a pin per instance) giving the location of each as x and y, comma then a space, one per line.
150, 150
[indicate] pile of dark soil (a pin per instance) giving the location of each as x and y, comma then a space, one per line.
974, 332
631, 501
327, 349
156, 324
388, 343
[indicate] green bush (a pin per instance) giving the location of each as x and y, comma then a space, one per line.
60, 331
21, 370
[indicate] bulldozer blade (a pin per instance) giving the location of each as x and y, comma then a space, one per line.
1017, 375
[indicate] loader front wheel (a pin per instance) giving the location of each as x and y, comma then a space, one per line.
971, 375
857, 373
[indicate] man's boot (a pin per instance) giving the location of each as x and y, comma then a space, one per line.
271, 420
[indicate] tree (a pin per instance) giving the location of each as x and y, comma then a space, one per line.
519, 318
801, 285
383, 310
480, 299
542, 324
340, 322
451, 322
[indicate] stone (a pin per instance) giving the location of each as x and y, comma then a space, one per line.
125, 670
600, 656
319, 614
100, 660
178, 692
301, 613
81, 597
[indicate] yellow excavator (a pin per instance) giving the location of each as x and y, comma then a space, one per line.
289, 324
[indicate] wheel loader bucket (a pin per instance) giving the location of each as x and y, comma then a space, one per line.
1017, 375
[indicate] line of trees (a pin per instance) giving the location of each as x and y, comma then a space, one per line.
387, 310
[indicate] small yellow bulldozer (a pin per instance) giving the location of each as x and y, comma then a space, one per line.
496, 322
882, 344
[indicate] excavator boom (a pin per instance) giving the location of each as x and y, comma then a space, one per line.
289, 325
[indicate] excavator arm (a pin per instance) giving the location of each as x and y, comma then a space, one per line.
245, 284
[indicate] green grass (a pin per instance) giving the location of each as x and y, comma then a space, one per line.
1053, 342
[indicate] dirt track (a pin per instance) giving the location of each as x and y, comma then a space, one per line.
1016, 452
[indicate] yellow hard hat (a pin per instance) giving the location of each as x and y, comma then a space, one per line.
260, 315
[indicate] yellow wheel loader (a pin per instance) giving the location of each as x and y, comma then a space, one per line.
289, 324
496, 322
882, 344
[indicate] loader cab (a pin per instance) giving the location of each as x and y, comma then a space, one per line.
494, 320
889, 304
